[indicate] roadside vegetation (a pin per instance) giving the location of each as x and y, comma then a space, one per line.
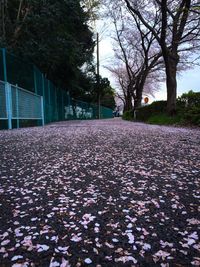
57, 37
188, 112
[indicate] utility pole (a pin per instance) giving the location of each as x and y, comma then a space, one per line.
98, 80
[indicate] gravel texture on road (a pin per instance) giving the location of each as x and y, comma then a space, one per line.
100, 193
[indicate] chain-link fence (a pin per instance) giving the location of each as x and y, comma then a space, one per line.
19, 106
58, 105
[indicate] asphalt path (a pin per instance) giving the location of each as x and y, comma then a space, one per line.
100, 193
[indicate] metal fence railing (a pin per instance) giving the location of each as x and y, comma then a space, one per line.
57, 102
3, 106
17, 104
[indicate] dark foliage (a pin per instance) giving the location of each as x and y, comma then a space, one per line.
158, 107
188, 111
190, 99
52, 34
128, 115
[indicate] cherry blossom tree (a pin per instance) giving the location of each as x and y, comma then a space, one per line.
137, 55
122, 84
176, 27
152, 85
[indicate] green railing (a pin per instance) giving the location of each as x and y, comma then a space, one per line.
19, 106
58, 105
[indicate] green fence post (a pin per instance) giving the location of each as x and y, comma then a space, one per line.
44, 100
4, 65
49, 102
9, 104
49, 93
69, 105
56, 108
17, 106
63, 112
43, 89
42, 110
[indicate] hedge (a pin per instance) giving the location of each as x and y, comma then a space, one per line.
188, 111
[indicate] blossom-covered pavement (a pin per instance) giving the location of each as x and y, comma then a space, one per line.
100, 193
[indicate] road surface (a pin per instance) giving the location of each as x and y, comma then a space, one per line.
100, 193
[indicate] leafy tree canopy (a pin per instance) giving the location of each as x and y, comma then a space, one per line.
52, 34
55, 36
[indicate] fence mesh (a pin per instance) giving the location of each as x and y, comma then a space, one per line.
25, 105
19, 106
3, 111
58, 105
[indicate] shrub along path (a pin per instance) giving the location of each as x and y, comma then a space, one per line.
99, 193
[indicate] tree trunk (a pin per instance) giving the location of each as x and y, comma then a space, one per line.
171, 91
171, 63
128, 102
138, 98
139, 90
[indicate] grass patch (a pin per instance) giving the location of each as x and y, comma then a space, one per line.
164, 119
188, 112
128, 116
